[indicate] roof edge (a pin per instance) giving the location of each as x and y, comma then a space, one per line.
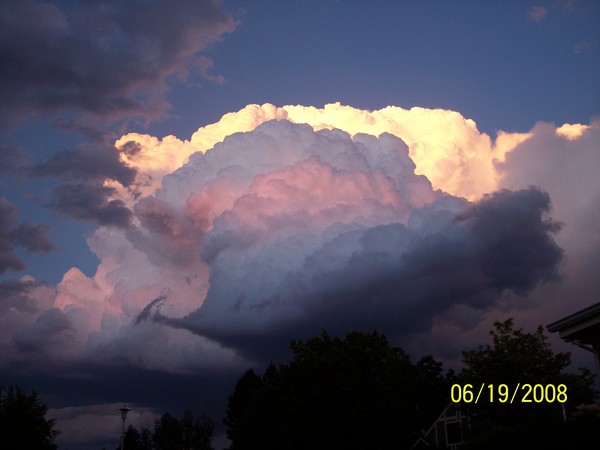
574, 318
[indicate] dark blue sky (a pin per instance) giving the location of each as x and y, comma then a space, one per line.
488, 60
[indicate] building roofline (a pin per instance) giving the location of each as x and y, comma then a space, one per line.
575, 318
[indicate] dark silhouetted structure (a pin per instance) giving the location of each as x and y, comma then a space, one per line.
448, 431
582, 329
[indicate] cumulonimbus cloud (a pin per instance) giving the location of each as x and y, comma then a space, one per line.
275, 223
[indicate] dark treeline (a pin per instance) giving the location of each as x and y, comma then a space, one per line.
351, 393
169, 433
359, 392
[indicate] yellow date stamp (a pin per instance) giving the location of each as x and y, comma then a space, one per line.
503, 393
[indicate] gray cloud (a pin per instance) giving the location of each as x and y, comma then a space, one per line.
519, 238
89, 202
165, 233
107, 60
87, 161
90, 65
567, 168
49, 329
393, 278
34, 238
14, 296
13, 158
83, 196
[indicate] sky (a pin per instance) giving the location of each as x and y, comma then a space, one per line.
186, 187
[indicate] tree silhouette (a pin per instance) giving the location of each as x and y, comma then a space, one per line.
244, 408
23, 423
517, 357
170, 433
351, 393
136, 440
167, 433
197, 432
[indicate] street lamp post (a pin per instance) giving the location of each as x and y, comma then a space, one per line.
124, 410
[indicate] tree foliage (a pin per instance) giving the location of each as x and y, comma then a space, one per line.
171, 433
351, 393
136, 440
518, 358
515, 356
23, 422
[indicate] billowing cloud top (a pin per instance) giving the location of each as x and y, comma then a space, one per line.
446, 147
275, 223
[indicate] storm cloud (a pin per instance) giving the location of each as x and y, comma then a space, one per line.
280, 270
89, 66
275, 224
84, 162
89, 202
300, 231
32, 237
103, 60
83, 195
286, 229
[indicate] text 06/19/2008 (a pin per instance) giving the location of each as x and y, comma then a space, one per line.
521, 393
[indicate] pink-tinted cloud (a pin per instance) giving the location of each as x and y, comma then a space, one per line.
563, 161
237, 227
301, 217
445, 146
565, 164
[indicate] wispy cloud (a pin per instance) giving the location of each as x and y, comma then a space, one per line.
32, 237
537, 13
583, 46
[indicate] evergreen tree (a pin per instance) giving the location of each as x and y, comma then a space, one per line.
23, 423
170, 433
